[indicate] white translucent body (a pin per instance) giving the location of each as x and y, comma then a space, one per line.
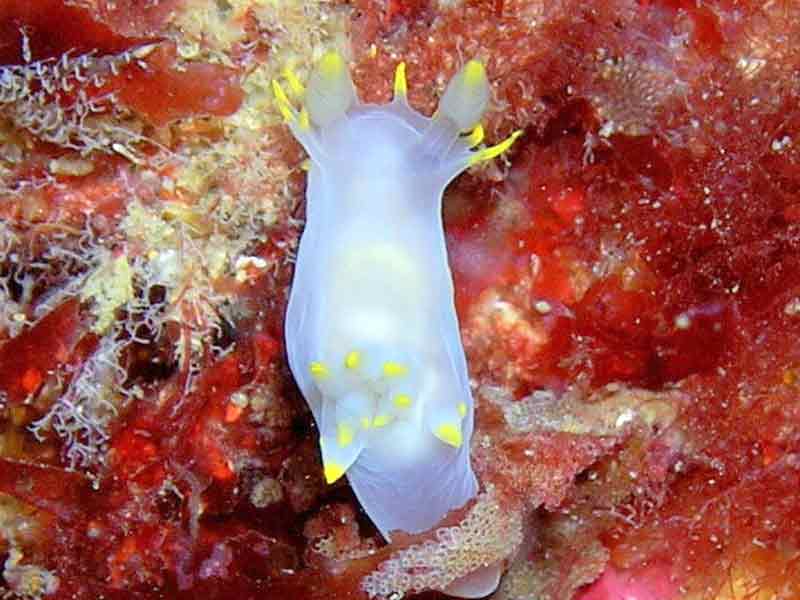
372, 276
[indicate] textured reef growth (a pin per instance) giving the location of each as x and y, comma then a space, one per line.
627, 280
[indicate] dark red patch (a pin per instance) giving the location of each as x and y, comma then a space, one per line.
53, 28
26, 360
163, 92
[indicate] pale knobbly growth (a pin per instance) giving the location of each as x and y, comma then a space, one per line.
327, 546
611, 411
544, 577
488, 533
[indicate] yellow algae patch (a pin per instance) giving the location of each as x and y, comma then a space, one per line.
110, 286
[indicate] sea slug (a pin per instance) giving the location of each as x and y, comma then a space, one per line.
371, 331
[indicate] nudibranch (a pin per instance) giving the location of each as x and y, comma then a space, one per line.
371, 330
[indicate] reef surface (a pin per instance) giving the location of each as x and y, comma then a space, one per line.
627, 276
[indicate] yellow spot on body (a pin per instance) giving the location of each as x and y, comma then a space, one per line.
402, 400
400, 83
462, 409
476, 136
319, 370
333, 471
353, 359
331, 65
344, 435
496, 150
295, 87
365, 423
449, 434
474, 73
381, 421
394, 369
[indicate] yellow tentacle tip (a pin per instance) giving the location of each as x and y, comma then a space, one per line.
462, 409
496, 150
400, 82
402, 400
284, 106
333, 471
352, 360
319, 370
331, 65
279, 93
381, 421
450, 434
394, 369
295, 86
476, 136
474, 73
344, 435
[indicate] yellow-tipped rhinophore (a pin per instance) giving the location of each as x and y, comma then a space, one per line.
449, 433
330, 91
333, 471
402, 400
466, 96
400, 83
476, 136
331, 65
496, 150
474, 74
319, 370
394, 369
353, 359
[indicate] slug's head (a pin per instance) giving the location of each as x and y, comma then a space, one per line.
451, 139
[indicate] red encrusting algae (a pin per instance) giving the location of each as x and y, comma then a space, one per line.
627, 281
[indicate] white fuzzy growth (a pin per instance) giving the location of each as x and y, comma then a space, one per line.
372, 275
